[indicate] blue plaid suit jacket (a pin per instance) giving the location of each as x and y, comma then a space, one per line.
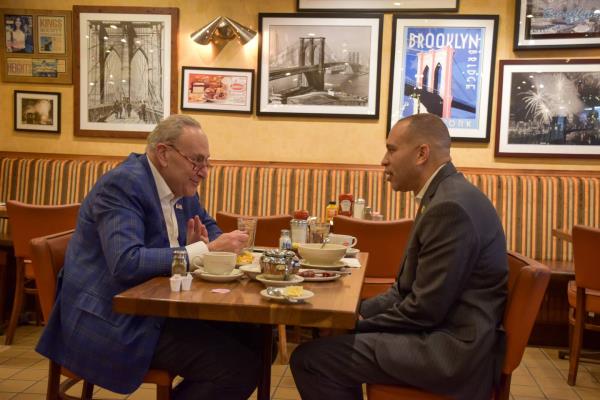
120, 241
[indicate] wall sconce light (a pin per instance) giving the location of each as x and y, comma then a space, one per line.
221, 30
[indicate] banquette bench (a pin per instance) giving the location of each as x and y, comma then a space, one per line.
530, 203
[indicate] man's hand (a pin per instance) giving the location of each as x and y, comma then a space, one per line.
232, 241
196, 231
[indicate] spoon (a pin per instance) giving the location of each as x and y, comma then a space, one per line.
325, 241
272, 291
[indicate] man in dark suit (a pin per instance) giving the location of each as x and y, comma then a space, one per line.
128, 226
439, 326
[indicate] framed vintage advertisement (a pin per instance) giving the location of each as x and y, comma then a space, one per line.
444, 65
126, 77
548, 108
377, 5
37, 111
319, 65
554, 24
36, 46
217, 89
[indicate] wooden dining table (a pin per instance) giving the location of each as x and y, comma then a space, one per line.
334, 305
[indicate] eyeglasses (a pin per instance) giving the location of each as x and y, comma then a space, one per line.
197, 165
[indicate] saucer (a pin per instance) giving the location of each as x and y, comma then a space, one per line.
306, 294
251, 270
272, 282
333, 266
352, 252
232, 276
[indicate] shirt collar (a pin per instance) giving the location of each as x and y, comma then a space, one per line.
423, 190
164, 191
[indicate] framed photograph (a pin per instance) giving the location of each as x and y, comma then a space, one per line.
212, 89
37, 111
125, 77
319, 65
548, 108
377, 5
36, 46
555, 24
444, 65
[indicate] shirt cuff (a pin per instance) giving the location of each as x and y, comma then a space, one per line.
196, 252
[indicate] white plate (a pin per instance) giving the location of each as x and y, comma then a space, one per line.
321, 278
352, 252
334, 266
251, 270
306, 294
232, 276
272, 282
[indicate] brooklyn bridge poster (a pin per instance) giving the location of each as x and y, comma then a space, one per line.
444, 66
323, 66
125, 72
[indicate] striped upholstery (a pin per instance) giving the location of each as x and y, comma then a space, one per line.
530, 205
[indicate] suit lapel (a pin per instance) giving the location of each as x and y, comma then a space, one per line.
443, 173
156, 202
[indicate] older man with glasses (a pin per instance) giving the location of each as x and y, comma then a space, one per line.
129, 225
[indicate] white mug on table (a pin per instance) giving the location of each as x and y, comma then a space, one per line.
346, 240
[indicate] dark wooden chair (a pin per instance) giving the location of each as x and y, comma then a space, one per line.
28, 221
527, 282
48, 253
583, 294
385, 241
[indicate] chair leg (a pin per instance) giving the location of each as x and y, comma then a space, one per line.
17, 302
52, 392
87, 391
576, 343
283, 344
163, 392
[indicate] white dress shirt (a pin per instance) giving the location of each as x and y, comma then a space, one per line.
196, 250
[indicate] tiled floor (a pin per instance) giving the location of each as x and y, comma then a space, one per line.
541, 375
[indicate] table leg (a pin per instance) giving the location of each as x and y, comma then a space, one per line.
264, 381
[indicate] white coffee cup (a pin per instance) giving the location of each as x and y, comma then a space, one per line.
219, 262
346, 240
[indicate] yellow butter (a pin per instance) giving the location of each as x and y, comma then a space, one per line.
244, 258
293, 291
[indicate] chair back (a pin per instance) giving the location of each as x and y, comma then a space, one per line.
48, 256
28, 221
527, 283
385, 241
268, 229
586, 241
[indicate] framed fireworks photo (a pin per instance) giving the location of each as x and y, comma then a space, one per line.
37, 111
319, 65
555, 24
217, 89
377, 5
444, 65
125, 75
548, 108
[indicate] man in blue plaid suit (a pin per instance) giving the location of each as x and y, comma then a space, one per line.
128, 226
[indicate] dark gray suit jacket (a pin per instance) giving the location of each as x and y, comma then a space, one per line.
440, 323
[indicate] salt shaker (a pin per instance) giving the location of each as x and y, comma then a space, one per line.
359, 208
285, 242
179, 263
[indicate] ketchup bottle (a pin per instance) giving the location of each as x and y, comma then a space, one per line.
346, 202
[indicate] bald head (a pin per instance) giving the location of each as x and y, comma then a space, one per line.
427, 129
416, 147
